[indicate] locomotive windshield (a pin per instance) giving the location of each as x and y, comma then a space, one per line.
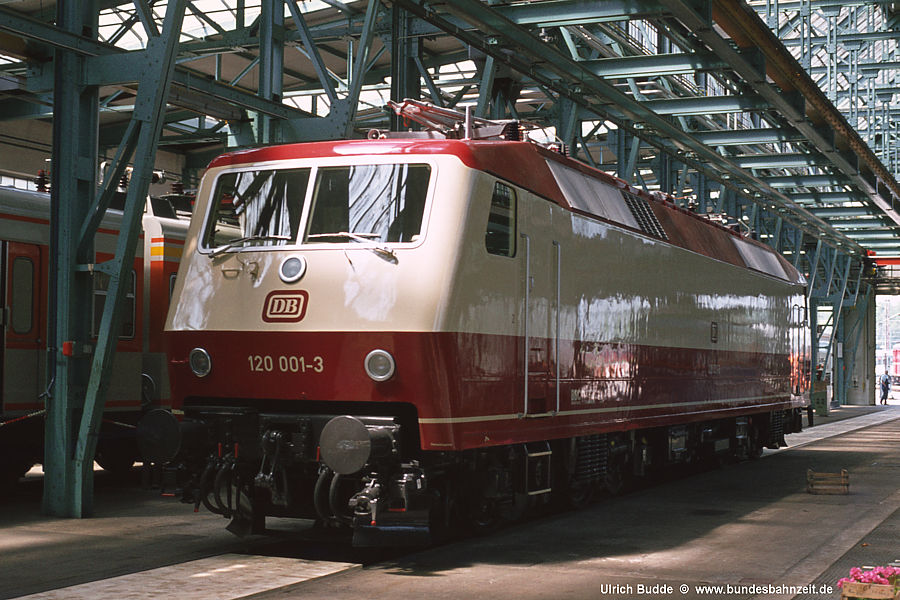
257, 206
358, 203
383, 203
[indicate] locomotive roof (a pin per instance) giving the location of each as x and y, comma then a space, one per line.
526, 164
518, 162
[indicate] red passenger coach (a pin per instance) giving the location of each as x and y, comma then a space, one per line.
139, 378
455, 325
895, 365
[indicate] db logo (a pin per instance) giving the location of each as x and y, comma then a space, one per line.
285, 307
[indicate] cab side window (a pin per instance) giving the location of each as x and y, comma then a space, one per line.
500, 237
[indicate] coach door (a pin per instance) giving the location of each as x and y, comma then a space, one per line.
22, 344
540, 290
799, 350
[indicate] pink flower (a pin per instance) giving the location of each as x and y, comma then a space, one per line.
879, 575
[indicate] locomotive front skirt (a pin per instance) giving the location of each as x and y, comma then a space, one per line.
399, 334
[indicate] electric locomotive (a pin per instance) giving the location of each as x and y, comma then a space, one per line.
424, 329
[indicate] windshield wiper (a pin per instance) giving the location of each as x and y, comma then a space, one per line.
364, 238
243, 240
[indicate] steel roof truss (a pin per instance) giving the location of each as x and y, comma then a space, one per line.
605, 98
312, 51
699, 24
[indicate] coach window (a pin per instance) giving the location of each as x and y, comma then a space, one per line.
500, 237
22, 295
101, 285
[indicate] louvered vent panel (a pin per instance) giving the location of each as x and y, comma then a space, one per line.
592, 459
643, 214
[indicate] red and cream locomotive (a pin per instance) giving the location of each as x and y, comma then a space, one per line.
429, 328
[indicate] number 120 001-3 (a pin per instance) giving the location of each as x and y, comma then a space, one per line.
264, 363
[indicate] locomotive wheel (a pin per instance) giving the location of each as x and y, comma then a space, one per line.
616, 475
579, 494
483, 515
754, 444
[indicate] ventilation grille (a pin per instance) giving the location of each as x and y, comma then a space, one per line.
643, 214
593, 456
776, 428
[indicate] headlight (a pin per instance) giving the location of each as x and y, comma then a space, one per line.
380, 365
200, 362
292, 269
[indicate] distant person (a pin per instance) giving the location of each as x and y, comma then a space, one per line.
885, 387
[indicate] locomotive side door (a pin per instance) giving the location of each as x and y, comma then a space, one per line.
22, 345
539, 285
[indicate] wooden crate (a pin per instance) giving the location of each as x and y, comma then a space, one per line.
873, 591
828, 483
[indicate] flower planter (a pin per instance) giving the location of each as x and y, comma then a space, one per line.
870, 591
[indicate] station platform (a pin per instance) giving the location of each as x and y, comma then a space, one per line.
745, 530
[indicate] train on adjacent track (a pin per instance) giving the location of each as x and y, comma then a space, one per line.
450, 326
139, 378
892, 364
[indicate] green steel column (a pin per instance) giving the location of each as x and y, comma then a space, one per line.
360, 64
567, 123
813, 307
619, 148
156, 65
840, 374
664, 173
73, 173
486, 87
405, 49
271, 65
839, 382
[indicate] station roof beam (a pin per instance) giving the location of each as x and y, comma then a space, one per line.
826, 197
656, 65
780, 161
743, 137
709, 105
842, 212
807, 181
